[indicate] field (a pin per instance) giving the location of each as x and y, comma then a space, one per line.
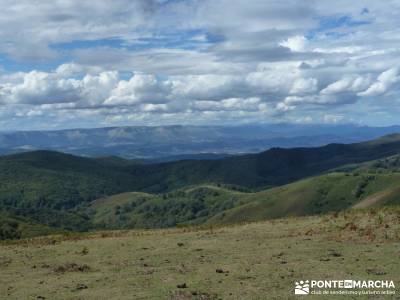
259, 260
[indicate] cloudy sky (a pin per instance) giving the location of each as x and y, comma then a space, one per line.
72, 63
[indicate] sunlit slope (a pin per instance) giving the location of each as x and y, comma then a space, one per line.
322, 194
211, 204
191, 205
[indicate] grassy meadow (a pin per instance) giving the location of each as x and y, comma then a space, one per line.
259, 260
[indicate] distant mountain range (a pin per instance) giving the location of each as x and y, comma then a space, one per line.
58, 190
167, 143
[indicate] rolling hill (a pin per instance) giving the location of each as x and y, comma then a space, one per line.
58, 189
317, 195
332, 192
187, 206
273, 167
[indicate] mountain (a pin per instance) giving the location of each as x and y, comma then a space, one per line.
273, 167
58, 189
145, 142
364, 185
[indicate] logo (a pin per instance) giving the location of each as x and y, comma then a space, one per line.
344, 287
302, 287
348, 284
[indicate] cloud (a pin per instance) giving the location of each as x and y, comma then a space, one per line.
296, 43
208, 61
384, 82
141, 88
35, 29
332, 119
304, 86
232, 104
348, 84
208, 87
40, 88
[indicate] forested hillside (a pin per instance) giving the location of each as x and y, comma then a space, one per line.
58, 189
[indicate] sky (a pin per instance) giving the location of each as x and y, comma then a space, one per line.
73, 63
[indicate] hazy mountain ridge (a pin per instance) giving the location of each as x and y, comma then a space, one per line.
173, 141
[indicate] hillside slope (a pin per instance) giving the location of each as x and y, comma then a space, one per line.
17, 227
270, 168
253, 261
55, 188
48, 186
191, 205
332, 192
317, 195
371, 184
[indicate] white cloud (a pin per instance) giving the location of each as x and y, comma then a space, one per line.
73, 69
231, 104
39, 88
338, 50
347, 84
140, 88
285, 106
206, 87
156, 61
384, 82
96, 88
296, 43
304, 86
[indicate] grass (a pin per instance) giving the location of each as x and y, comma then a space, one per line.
248, 261
321, 194
211, 204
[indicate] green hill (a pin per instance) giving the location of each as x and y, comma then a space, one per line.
49, 186
192, 205
331, 192
57, 189
17, 227
257, 171
317, 195
374, 183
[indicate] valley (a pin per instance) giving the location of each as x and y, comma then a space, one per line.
61, 192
